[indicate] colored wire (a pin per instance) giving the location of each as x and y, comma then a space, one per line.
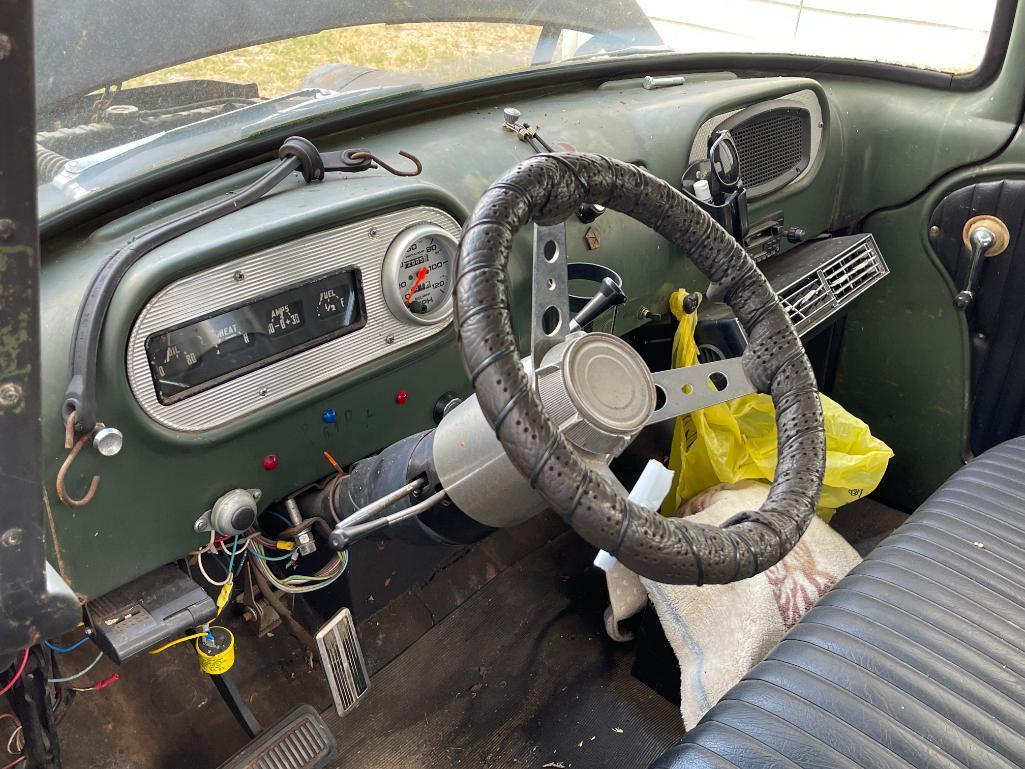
15, 743
177, 641
231, 560
15, 762
17, 675
101, 685
301, 583
280, 517
71, 648
79, 674
14, 734
259, 554
202, 570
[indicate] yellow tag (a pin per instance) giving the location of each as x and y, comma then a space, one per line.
284, 544
221, 662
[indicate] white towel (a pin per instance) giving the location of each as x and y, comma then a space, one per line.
719, 632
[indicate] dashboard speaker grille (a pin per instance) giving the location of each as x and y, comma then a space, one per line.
774, 142
770, 146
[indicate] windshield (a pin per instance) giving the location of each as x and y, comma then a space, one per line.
172, 80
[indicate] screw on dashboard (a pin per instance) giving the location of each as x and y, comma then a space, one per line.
239, 276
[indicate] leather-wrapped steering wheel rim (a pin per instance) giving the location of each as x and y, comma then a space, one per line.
548, 189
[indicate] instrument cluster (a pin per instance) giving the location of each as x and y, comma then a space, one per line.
222, 343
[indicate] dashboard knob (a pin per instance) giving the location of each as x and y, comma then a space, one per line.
448, 401
796, 234
588, 212
108, 441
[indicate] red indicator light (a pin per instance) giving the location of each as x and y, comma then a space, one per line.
270, 461
401, 397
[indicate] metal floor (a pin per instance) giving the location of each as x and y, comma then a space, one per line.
521, 675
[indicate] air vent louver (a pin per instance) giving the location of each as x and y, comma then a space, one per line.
822, 291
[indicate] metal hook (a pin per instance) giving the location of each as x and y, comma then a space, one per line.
62, 492
361, 155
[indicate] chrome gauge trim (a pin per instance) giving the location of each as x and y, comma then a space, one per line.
390, 274
361, 244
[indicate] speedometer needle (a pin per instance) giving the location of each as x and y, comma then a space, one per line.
416, 283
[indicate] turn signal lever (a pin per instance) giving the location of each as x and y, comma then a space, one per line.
985, 236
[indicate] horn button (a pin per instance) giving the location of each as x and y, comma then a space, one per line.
598, 390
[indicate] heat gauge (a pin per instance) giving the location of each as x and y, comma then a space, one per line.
418, 273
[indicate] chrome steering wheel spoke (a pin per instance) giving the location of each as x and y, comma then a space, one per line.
691, 388
550, 317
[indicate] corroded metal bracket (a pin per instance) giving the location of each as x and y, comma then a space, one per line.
34, 602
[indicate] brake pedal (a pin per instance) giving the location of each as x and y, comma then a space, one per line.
301, 740
342, 658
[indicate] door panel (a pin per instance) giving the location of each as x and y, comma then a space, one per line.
996, 317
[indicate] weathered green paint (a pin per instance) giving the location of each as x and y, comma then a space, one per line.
15, 334
151, 493
885, 144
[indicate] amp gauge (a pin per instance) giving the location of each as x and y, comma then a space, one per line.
418, 273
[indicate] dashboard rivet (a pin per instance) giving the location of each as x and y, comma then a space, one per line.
329, 416
401, 397
390, 339
10, 393
372, 233
263, 392
270, 461
239, 276
11, 537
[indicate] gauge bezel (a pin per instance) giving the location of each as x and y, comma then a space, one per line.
390, 275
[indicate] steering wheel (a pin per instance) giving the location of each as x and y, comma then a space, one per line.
580, 398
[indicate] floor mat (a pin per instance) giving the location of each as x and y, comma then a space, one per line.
521, 675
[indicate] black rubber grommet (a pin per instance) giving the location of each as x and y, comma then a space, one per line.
311, 165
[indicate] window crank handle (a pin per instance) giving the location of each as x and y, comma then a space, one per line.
984, 238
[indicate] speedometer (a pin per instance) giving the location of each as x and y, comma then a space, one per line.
418, 272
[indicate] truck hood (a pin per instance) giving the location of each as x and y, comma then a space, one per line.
85, 45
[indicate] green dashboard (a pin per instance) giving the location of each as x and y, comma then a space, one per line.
255, 433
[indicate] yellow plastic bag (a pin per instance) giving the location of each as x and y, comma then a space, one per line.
736, 441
